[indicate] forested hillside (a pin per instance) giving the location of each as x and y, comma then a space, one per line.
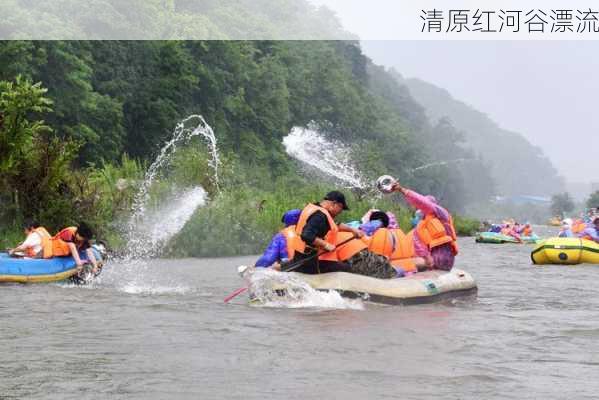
517, 166
167, 20
108, 99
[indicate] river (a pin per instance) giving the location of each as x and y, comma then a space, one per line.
162, 331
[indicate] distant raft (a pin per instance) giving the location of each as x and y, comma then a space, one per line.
28, 270
555, 221
422, 287
566, 251
498, 238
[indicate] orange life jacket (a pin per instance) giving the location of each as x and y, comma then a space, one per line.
432, 233
404, 250
352, 247
290, 236
331, 237
57, 247
45, 238
526, 232
578, 227
382, 242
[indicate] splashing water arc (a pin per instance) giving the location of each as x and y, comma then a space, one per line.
330, 157
148, 231
181, 134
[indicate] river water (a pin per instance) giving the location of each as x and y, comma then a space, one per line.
162, 331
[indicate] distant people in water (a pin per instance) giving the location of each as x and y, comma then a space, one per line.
32, 247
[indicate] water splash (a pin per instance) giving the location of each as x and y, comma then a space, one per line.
158, 226
328, 156
148, 231
147, 240
441, 163
182, 134
266, 285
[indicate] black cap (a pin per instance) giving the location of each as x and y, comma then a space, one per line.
337, 197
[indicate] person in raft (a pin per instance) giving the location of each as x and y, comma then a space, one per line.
69, 242
390, 241
280, 249
322, 246
32, 246
434, 238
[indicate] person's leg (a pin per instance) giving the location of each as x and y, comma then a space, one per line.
303, 263
332, 266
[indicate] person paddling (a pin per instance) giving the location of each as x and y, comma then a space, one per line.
337, 251
317, 236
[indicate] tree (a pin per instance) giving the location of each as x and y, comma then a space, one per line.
34, 163
18, 100
593, 201
561, 204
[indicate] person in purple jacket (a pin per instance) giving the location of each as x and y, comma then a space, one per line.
276, 252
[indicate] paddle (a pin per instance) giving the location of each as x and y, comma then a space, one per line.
288, 268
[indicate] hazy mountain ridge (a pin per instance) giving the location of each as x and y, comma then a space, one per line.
518, 167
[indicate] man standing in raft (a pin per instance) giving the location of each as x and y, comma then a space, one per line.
434, 237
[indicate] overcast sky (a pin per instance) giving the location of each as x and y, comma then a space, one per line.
546, 90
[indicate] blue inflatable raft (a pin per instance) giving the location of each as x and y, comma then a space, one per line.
28, 270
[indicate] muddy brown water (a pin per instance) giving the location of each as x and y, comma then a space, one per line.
161, 331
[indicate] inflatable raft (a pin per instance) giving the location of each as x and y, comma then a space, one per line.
420, 288
29, 270
498, 238
566, 251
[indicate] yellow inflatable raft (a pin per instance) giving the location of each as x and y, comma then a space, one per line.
566, 251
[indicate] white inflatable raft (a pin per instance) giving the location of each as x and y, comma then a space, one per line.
420, 288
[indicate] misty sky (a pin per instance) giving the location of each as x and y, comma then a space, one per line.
545, 90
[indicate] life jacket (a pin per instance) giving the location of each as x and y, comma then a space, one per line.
403, 252
352, 247
578, 227
43, 233
527, 232
382, 242
432, 233
331, 237
290, 237
56, 247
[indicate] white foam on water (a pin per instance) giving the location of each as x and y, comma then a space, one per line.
265, 285
328, 156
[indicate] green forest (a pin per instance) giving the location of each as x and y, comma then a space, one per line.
79, 115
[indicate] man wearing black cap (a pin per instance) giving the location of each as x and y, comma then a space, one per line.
317, 234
